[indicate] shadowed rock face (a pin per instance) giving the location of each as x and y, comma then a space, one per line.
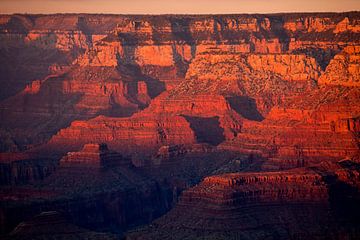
109, 199
52, 225
181, 100
295, 204
246, 107
207, 130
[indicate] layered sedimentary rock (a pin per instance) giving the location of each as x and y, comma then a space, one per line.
94, 155
186, 97
343, 69
141, 133
296, 204
100, 64
305, 130
167, 153
289, 67
244, 189
273, 117
238, 96
318, 24
227, 66
76, 94
116, 197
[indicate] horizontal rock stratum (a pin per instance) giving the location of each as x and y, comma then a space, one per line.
239, 126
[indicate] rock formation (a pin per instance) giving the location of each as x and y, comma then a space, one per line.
183, 97
94, 155
113, 70
288, 204
343, 69
117, 196
140, 133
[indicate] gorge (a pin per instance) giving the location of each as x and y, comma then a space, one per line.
242, 126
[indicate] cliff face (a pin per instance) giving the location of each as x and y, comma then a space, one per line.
104, 199
114, 65
25, 171
141, 134
343, 69
272, 92
258, 205
94, 155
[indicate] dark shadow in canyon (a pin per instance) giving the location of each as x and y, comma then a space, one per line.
344, 202
129, 41
25, 61
277, 29
83, 27
112, 199
33, 118
207, 130
27, 171
223, 34
322, 56
246, 107
218, 23
113, 208
22, 65
18, 24
180, 29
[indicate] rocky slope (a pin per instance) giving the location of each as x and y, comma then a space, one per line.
114, 65
297, 204
182, 97
101, 199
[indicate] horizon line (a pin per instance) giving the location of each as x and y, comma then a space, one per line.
162, 14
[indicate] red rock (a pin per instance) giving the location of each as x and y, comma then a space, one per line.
289, 67
94, 155
225, 66
310, 24
346, 25
267, 46
141, 134
62, 40
344, 68
280, 90
231, 204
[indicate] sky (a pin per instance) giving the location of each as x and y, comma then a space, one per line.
176, 6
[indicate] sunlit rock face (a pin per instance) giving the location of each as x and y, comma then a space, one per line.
94, 155
114, 120
343, 69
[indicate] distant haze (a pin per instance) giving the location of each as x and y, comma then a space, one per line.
176, 6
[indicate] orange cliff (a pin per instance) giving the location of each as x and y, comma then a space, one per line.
183, 97
94, 155
215, 65
138, 134
322, 24
277, 133
344, 68
327, 118
231, 71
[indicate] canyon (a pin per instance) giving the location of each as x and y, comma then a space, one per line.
217, 126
